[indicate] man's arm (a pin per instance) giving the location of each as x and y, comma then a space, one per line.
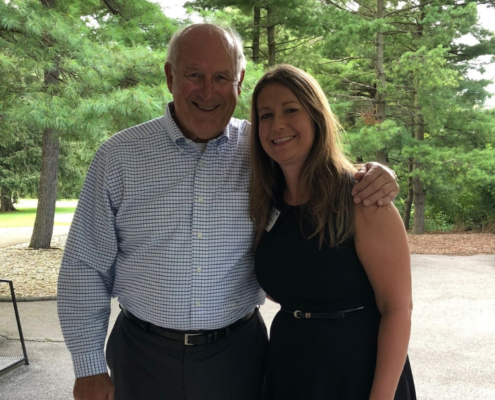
86, 280
377, 184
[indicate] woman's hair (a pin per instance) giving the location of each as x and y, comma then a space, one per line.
326, 174
229, 36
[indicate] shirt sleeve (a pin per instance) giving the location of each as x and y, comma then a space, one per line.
87, 271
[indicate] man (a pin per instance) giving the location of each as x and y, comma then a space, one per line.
163, 224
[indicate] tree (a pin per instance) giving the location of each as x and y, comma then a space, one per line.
78, 86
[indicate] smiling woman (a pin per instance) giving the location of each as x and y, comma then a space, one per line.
340, 271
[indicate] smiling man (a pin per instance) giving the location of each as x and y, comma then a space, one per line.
163, 224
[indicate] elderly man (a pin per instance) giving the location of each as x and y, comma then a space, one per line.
163, 224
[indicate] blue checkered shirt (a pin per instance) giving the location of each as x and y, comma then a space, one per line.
166, 229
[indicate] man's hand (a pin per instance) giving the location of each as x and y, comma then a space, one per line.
376, 184
96, 387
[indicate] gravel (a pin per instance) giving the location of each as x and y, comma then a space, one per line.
35, 272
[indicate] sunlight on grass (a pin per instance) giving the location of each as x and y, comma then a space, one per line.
26, 213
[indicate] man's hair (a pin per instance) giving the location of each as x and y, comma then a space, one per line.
230, 38
326, 174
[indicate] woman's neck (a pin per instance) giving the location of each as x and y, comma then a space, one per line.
295, 193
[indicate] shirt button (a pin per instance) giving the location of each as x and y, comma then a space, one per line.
199, 269
201, 163
200, 235
200, 199
198, 304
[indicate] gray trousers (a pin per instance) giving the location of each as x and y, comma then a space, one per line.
146, 366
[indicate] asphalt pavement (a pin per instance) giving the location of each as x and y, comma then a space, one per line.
452, 348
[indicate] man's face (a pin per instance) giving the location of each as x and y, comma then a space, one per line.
203, 85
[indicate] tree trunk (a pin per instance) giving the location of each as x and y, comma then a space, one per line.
47, 194
270, 33
409, 199
256, 34
6, 200
419, 134
381, 155
419, 207
419, 191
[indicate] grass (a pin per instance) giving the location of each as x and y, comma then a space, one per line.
26, 214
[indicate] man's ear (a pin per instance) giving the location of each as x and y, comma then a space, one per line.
239, 83
170, 76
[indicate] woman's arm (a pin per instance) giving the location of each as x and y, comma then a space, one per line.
382, 247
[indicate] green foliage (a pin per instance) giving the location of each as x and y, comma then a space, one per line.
108, 66
108, 76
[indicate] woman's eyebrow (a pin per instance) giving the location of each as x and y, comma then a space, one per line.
284, 104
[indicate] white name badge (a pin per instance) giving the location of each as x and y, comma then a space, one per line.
272, 218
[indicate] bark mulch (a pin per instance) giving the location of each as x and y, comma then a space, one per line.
35, 272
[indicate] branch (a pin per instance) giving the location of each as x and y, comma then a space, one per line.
343, 59
341, 8
300, 44
372, 12
293, 40
408, 8
397, 32
113, 10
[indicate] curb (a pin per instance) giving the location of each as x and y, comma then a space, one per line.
27, 299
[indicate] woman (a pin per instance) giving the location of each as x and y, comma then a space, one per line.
340, 271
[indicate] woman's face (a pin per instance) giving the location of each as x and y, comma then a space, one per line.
286, 129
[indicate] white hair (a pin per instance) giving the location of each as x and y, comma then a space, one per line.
229, 36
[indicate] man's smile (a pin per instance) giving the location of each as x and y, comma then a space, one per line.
204, 108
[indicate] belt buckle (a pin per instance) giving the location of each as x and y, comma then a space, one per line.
186, 338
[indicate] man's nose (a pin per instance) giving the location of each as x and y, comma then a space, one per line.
207, 88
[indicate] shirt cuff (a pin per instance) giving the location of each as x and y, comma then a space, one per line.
88, 364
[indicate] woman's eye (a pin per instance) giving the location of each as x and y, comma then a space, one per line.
291, 110
265, 116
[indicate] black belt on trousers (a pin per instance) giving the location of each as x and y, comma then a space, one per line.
193, 338
310, 315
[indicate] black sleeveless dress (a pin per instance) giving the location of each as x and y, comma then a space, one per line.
319, 359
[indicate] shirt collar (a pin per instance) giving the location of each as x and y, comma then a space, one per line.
178, 137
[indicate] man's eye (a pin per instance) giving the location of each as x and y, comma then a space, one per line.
194, 76
222, 79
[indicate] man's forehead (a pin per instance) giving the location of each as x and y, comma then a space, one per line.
217, 69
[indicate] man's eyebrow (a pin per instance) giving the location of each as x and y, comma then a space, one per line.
196, 68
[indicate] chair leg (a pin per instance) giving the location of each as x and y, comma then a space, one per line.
19, 328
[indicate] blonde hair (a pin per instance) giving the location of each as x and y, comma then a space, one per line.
326, 174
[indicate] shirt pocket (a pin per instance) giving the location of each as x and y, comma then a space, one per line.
232, 213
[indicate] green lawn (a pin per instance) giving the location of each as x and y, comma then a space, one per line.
27, 213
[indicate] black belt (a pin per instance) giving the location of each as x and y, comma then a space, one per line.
310, 315
192, 338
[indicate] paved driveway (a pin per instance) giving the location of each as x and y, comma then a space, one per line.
452, 347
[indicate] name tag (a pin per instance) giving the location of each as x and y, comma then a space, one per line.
272, 218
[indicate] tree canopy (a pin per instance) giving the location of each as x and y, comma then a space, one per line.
74, 72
